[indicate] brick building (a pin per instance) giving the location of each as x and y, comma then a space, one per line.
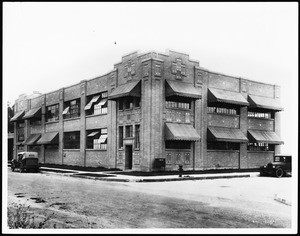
154, 106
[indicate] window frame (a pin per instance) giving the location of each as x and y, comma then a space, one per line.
72, 107
76, 144
54, 111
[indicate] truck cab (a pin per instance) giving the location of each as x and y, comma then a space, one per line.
25, 161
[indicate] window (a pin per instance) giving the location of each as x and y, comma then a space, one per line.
129, 103
120, 105
260, 147
137, 102
35, 121
72, 140
223, 146
97, 139
72, 109
222, 110
20, 124
20, 131
137, 137
52, 113
120, 136
174, 144
129, 131
265, 115
175, 104
96, 104
187, 117
51, 146
157, 71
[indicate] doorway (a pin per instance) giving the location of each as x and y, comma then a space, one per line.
128, 157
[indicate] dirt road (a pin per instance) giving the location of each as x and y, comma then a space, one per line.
85, 203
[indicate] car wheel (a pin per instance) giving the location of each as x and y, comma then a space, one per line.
279, 173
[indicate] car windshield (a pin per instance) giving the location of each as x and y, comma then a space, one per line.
282, 159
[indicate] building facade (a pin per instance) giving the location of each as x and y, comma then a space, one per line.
152, 111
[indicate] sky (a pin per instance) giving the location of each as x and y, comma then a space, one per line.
47, 46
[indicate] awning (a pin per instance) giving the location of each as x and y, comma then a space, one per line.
102, 138
17, 116
102, 102
222, 134
182, 132
48, 138
31, 140
129, 89
35, 112
93, 134
89, 105
264, 102
66, 110
219, 95
175, 88
259, 136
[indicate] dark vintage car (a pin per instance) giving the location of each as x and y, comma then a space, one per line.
26, 161
281, 166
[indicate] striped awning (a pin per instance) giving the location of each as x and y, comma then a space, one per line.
184, 132
93, 133
32, 139
260, 136
48, 138
35, 112
17, 116
102, 138
176, 88
93, 100
130, 89
264, 102
224, 96
222, 134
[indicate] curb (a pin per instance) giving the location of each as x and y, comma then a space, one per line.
160, 180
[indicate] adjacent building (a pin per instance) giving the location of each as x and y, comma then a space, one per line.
154, 111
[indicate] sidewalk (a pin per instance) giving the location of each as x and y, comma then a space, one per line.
107, 176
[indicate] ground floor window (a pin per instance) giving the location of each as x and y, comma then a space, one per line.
121, 134
51, 146
72, 140
137, 137
175, 144
97, 139
260, 147
223, 146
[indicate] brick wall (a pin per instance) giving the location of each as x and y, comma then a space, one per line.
222, 159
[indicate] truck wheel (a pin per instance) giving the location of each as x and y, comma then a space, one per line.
279, 173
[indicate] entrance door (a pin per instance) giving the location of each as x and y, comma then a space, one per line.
128, 157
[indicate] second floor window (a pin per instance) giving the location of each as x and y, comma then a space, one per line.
72, 109
180, 105
72, 140
222, 110
265, 115
52, 113
96, 104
